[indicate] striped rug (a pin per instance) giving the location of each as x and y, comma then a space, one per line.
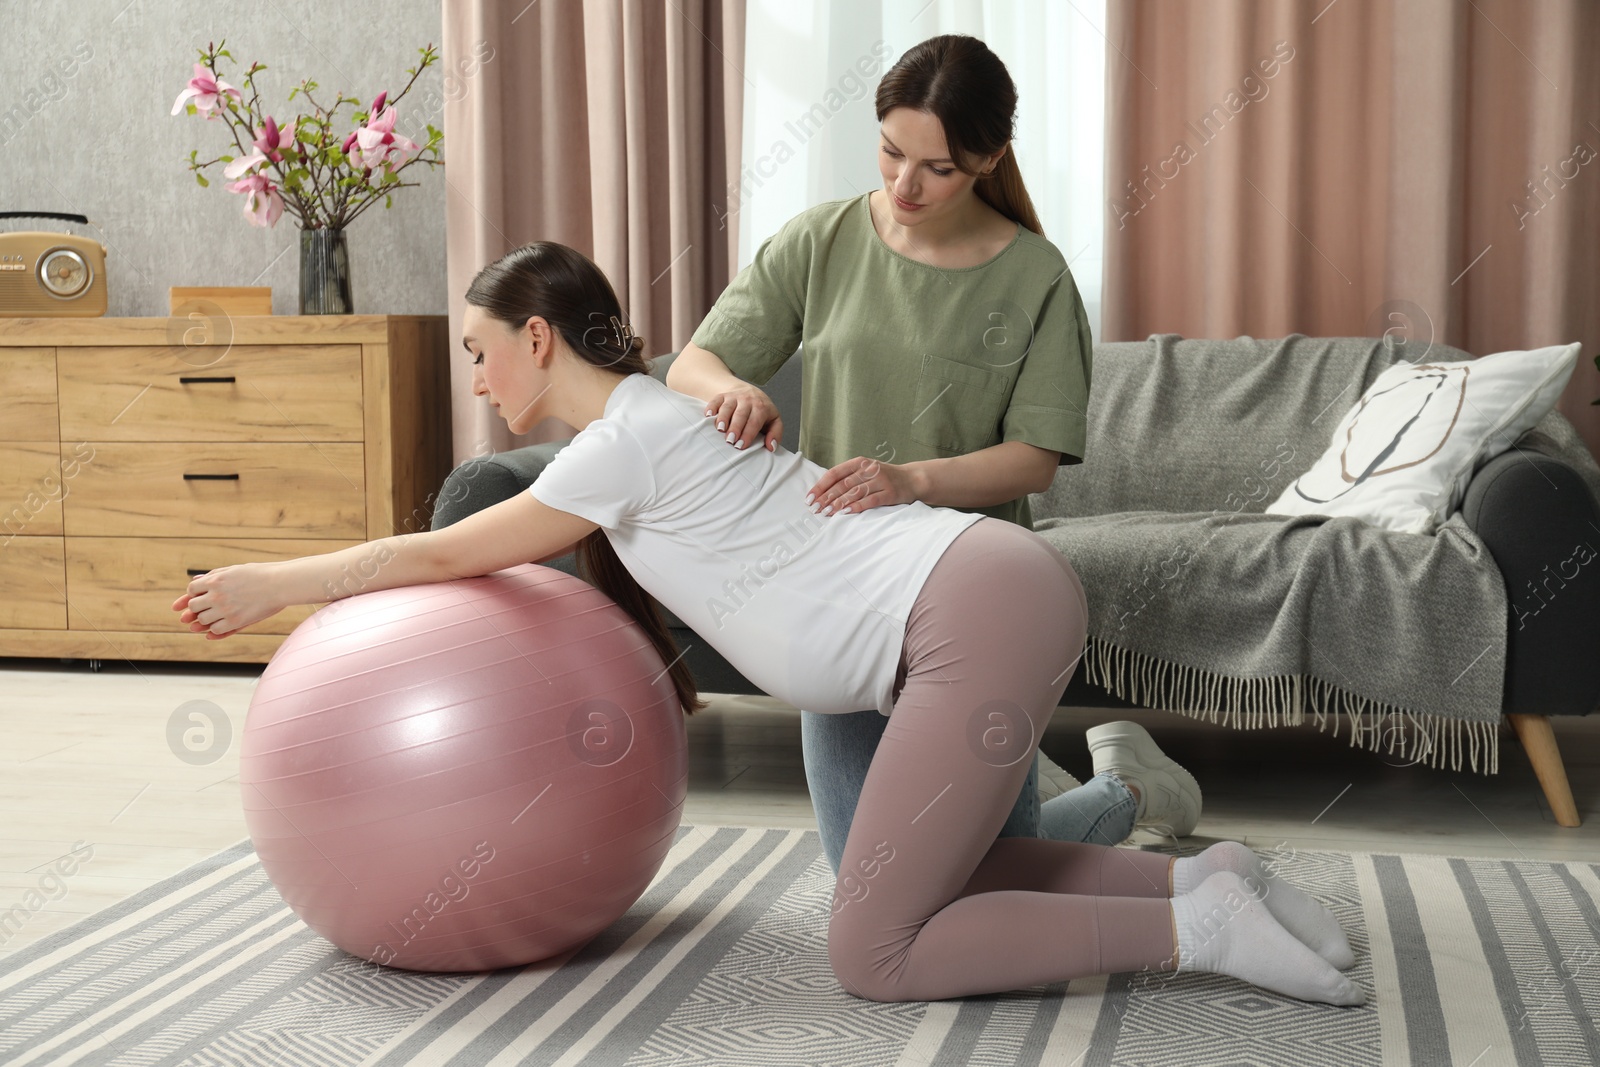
1469, 962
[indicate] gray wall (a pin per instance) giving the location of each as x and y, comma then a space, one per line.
86, 91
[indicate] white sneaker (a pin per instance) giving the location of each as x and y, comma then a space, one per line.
1169, 797
1053, 781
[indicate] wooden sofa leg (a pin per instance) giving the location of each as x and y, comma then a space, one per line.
1539, 740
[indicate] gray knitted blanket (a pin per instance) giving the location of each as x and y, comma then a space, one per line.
1201, 604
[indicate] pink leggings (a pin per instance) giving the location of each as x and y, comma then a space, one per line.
929, 904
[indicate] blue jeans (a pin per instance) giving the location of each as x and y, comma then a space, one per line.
838, 749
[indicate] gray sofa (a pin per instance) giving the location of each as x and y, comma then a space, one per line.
1528, 508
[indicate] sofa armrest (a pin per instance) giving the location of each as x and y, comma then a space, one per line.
1542, 526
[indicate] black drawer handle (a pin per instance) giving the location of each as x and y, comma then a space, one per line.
210, 477
187, 381
197, 572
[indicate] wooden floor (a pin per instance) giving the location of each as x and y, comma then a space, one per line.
87, 759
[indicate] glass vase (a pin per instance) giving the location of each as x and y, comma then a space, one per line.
324, 273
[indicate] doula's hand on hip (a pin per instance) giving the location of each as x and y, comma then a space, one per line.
862, 483
745, 414
224, 601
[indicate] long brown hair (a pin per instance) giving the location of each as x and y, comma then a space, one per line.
566, 289
959, 81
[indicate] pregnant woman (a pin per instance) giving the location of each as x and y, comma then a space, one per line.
961, 628
947, 360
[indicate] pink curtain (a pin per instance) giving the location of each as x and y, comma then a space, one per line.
608, 125
1348, 167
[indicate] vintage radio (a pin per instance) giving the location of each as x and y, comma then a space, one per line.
45, 274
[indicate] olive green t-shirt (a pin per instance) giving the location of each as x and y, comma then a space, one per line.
905, 361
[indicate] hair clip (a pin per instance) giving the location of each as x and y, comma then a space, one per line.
624, 334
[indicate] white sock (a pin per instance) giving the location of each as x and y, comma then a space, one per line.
1316, 927
1225, 929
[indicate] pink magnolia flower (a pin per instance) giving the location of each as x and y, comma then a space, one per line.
206, 89
262, 204
376, 143
268, 141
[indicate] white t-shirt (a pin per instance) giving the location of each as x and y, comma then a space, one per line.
811, 609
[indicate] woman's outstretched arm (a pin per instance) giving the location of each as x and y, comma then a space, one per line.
522, 529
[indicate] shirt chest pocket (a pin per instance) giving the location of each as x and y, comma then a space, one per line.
957, 407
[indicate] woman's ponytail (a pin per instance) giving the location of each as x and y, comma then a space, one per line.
1004, 191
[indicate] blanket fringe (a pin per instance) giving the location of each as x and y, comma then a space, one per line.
1283, 700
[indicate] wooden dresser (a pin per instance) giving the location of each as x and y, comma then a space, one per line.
135, 453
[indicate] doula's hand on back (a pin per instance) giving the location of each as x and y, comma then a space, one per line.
747, 414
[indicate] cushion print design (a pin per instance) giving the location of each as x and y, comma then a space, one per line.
1402, 456
1395, 411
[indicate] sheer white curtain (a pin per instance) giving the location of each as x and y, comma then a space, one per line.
810, 133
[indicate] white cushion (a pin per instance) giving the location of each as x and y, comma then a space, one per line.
1401, 458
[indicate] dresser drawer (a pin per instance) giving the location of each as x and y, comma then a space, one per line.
35, 584
129, 583
28, 394
317, 432
33, 483
217, 490
243, 393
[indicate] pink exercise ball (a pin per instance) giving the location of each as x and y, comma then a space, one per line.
466, 775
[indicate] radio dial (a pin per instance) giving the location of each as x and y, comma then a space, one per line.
63, 272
